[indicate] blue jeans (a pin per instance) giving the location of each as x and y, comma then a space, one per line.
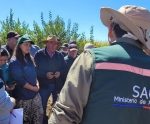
45, 94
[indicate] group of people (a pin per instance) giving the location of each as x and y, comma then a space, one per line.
19, 78
110, 85
30, 75
101, 85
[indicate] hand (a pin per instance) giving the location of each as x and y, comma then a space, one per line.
57, 74
49, 75
37, 84
35, 88
10, 87
13, 100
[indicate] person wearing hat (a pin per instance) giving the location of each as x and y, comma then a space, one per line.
22, 70
88, 46
110, 85
51, 69
4, 55
4, 70
72, 55
72, 42
64, 49
6, 102
12, 38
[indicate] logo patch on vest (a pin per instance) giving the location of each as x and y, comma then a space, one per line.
140, 98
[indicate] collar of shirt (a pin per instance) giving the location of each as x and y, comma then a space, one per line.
51, 54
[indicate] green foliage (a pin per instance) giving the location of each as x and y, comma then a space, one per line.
96, 44
9, 24
91, 34
53, 26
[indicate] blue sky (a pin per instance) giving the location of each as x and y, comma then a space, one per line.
84, 12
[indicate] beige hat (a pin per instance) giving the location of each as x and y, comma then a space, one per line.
133, 19
51, 38
88, 46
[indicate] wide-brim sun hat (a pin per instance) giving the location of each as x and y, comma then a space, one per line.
133, 19
51, 38
88, 46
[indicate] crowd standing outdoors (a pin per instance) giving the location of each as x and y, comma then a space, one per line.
101, 85
29, 75
108, 85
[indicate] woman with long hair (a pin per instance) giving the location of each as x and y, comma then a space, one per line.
22, 69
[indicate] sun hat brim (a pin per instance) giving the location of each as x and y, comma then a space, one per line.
50, 39
108, 15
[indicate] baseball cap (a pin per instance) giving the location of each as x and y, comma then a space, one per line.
72, 47
12, 34
25, 38
72, 42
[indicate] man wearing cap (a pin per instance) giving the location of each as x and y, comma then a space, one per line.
50, 70
72, 55
64, 49
72, 42
12, 38
110, 85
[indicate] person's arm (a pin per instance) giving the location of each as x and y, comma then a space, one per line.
17, 74
6, 102
30, 87
40, 72
74, 95
62, 68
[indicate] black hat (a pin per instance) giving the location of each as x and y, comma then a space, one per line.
12, 34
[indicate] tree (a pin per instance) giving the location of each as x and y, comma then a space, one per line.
54, 26
91, 34
68, 31
38, 35
74, 32
10, 24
